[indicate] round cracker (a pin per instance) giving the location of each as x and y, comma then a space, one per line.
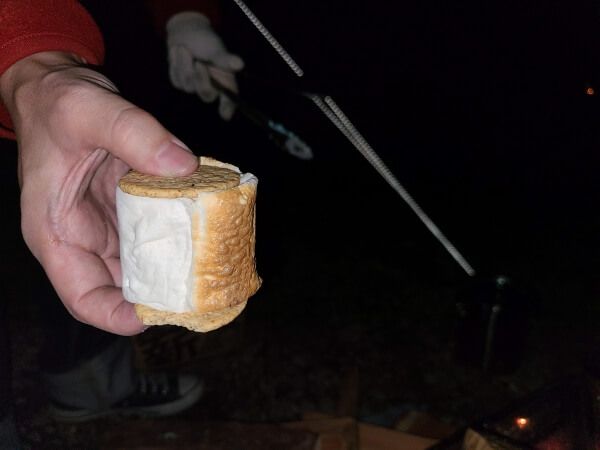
193, 321
206, 178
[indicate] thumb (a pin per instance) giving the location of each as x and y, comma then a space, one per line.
137, 138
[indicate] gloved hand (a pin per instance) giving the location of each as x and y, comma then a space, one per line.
197, 55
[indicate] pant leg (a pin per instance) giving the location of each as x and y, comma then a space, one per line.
82, 366
96, 383
67, 342
5, 368
9, 439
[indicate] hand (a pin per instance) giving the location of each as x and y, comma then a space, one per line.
197, 55
76, 138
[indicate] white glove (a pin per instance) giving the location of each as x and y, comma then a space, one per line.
197, 55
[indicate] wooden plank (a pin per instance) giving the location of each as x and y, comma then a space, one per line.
425, 425
334, 433
372, 437
476, 440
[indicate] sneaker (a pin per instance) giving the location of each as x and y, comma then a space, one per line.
156, 395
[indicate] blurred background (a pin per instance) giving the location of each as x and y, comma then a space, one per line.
487, 114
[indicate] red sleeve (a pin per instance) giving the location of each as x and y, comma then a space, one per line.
33, 26
162, 10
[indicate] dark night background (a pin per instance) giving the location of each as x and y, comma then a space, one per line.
481, 111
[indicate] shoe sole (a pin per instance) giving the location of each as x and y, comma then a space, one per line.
162, 410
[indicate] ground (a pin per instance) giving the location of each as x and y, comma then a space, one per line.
497, 144
351, 283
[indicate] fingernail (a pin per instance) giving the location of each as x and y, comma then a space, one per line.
176, 160
181, 144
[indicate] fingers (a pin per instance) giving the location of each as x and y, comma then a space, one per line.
87, 289
192, 75
204, 87
227, 80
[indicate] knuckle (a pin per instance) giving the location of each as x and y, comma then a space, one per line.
67, 99
75, 314
68, 106
128, 124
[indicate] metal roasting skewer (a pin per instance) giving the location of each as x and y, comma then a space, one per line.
270, 38
367, 151
334, 113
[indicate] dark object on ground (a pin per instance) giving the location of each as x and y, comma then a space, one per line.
494, 319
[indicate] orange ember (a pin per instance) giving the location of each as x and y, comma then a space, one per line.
522, 422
